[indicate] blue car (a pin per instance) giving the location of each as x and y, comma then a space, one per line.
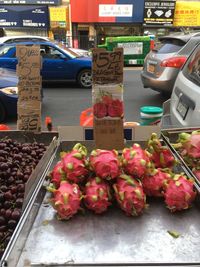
59, 64
8, 93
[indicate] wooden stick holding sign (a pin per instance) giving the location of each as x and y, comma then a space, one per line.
29, 88
107, 98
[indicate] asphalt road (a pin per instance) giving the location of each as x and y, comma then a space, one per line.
64, 103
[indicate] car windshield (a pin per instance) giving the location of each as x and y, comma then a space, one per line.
192, 68
169, 45
71, 53
5, 49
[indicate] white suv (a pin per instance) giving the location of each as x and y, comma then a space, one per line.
183, 109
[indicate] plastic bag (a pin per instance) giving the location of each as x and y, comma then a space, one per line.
86, 117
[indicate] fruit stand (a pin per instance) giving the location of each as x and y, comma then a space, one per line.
157, 238
103, 196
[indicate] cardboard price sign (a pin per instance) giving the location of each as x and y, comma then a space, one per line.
29, 116
107, 67
109, 134
107, 98
29, 60
29, 86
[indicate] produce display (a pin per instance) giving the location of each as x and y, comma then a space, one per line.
17, 161
102, 178
188, 145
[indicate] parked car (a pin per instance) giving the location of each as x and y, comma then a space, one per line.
183, 109
162, 64
21, 38
8, 94
25, 38
58, 64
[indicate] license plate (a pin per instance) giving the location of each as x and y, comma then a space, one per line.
151, 68
182, 109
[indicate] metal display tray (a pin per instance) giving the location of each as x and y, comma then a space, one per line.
50, 140
110, 239
170, 136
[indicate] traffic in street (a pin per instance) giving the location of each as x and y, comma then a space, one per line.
65, 102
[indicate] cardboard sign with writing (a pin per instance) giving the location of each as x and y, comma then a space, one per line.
107, 67
29, 116
29, 87
107, 98
109, 134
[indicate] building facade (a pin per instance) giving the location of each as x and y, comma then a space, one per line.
86, 23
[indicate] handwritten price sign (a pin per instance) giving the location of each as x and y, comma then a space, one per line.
29, 87
107, 67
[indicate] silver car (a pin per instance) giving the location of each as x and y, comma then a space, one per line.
162, 64
183, 109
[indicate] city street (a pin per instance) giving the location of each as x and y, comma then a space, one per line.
64, 103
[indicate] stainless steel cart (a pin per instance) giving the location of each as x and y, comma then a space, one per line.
110, 239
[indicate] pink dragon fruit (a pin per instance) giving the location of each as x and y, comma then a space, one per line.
105, 163
130, 195
189, 148
180, 193
57, 175
155, 182
135, 160
66, 200
75, 164
97, 195
116, 108
189, 144
100, 110
160, 154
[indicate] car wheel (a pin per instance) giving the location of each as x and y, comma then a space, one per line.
85, 78
2, 112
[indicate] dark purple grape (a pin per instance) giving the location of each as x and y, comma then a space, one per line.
2, 211
2, 221
8, 195
13, 189
15, 215
8, 213
7, 204
11, 224
20, 188
19, 202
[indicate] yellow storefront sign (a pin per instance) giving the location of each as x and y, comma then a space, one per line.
187, 14
59, 16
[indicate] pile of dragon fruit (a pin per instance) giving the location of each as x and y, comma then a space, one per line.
103, 177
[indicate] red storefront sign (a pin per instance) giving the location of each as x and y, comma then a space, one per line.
88, 11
